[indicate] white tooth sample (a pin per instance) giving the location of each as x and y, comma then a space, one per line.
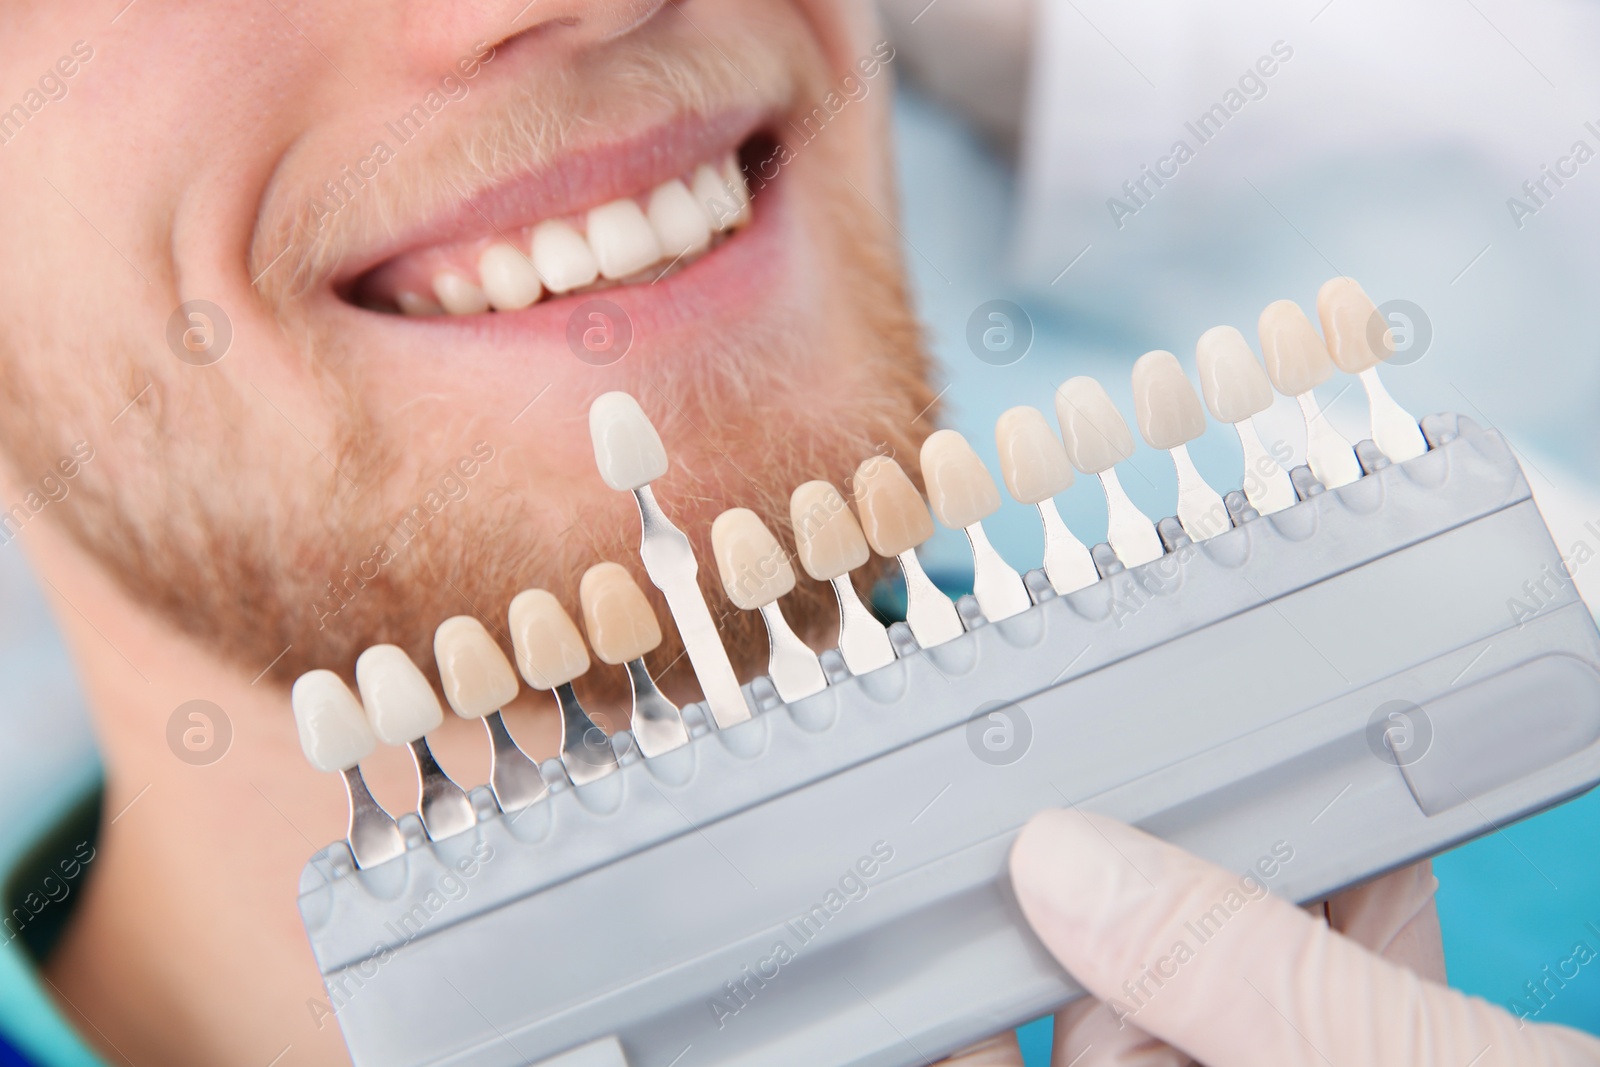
562, 258
478, 681
680, 223
416, 305
755, 572
1358, 340
895, 521
1170, 416
733, 177
509, 281
621, 629
458, 295
1236, 389
622, 240
627, 448
336, 736
1297, 362
962, 495
334, 732
830, 545
723, 205
1097, 439
476, 676
629, 453
400, 703
550, 654
403, 708
1035, 467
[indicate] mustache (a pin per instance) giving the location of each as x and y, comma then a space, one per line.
474, 130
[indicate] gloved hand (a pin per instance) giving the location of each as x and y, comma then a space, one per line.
1273, 987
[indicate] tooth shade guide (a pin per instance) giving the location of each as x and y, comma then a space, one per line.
1201, 511
656, 722
1232, 381
475, 674
828, 540
754, 568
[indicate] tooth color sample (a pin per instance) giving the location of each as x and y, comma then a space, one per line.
621, 239
549, 648
616, 615
754, 568
893, 516
627, 448
1358, 338
722, 203
1033, 460
476, 675
509, 281
1232, 380
400, 703
334, 732
1093, 430
1297, 360
960, 489
1168, 410
458, 295
679, 221
827, 537
562, 257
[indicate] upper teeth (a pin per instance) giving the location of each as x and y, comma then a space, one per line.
675, 222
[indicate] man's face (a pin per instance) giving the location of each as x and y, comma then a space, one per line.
345, 473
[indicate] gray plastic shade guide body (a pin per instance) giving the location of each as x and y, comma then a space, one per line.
1342, 683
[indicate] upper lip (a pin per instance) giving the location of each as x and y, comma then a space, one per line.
585, 177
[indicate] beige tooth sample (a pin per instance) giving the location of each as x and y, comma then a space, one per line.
403, 708
616, 615
830, 544
459, 295
1097, 439
1236, 389
1358, 340
562, 257
627, 448
755, 572
1170, 416
621, 239
680, 223
895, 521
622, 629
335, 736
962, 495
1035, 467
550, 654
1297, 362
508, 279
478, 681
630, 456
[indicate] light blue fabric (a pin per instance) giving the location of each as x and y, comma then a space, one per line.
1510, 904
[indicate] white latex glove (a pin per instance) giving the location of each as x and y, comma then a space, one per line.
1274, 987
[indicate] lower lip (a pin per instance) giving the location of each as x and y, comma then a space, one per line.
726, 285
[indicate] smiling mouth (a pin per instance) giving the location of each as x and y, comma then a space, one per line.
637, 239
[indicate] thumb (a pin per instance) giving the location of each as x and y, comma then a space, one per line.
1213, 964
